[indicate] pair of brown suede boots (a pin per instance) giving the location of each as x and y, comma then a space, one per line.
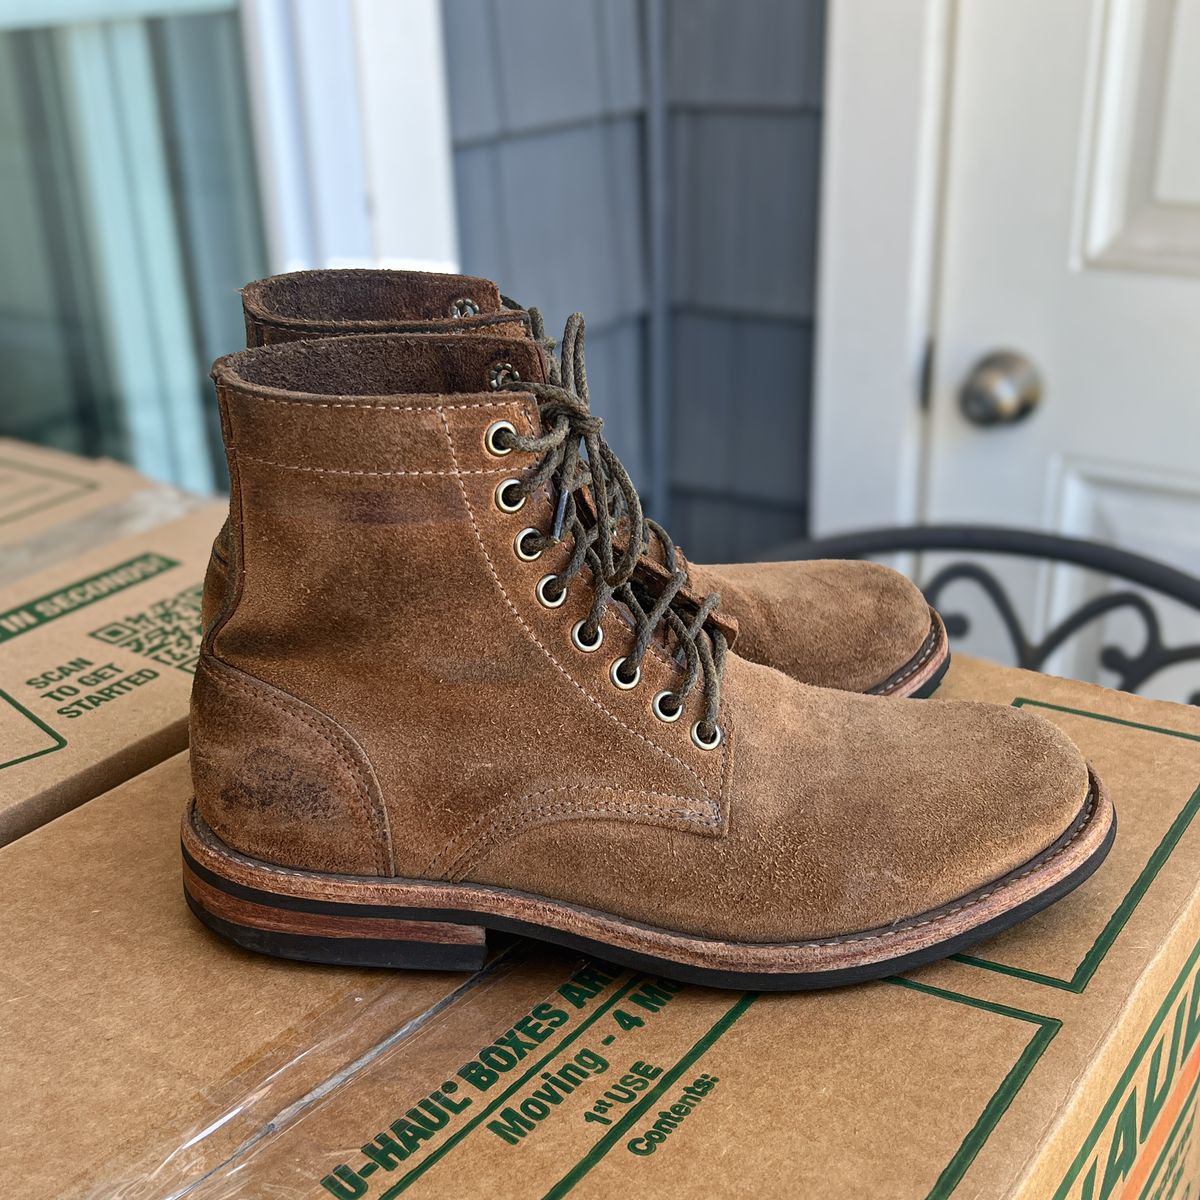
453, 680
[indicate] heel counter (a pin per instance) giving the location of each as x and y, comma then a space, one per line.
277, 780
217, 582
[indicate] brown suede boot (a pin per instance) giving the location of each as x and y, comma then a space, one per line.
856, 626
420, 715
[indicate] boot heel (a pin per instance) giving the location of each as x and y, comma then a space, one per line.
319, 930
351, 941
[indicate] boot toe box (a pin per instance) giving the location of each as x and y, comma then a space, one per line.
895, 811
833, 623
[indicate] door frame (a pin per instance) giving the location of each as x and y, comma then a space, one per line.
887, 88
355, 156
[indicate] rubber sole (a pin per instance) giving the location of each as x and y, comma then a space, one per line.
920, 677
399, 923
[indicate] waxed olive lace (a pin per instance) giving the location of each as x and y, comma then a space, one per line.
576, 373
571, 429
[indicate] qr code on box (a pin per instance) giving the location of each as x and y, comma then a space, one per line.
168, 632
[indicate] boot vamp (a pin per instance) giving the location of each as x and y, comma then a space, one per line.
830, 622
840, 813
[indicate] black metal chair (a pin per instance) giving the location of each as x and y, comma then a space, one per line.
1132, 670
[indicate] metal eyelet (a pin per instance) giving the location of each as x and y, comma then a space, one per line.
501, 373
661, 713
580, 644
509, 506
614, 673
550, 601
699, 741
464, 306
489, 438
518, 546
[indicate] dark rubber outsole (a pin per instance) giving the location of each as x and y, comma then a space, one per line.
440, 942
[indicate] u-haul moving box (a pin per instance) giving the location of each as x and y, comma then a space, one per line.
1057, 1062
96, 661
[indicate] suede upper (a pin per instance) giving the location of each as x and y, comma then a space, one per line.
850, 625
382, 693
847, 625
308, 304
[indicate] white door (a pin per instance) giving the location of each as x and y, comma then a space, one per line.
1046, 203
1071, 236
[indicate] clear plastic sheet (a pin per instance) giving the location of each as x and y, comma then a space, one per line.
214, 1151
537, 1061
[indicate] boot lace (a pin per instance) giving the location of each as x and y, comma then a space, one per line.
571, 431
571, 366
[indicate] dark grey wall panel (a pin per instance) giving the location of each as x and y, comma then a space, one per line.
565, 238
471, 68
570, 60
616, 375
741, 407
744, 84
757, 53
745, 199
540, 83
725, 529
518, 66
483, 224
553, 175
620, 41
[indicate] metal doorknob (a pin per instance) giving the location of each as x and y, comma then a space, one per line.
1002, 388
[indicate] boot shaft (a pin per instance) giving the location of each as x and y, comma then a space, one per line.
335, 303
387, 638
305, 305
342, 460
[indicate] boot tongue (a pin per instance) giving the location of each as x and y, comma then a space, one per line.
652, 569
656, 575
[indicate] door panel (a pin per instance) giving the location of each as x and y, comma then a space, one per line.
1140, 509
1068, 157
1143, 187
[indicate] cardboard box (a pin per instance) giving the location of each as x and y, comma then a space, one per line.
55, 506
96, 663
124, 1023
1059, 1060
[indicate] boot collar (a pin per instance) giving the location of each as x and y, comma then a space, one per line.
329, 303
